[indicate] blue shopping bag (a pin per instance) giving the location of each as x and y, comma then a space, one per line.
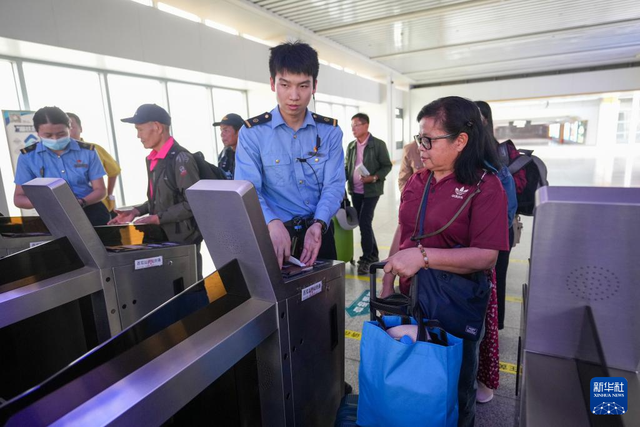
407, 384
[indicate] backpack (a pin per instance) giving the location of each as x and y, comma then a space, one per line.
536, 173
509, 186
205, 169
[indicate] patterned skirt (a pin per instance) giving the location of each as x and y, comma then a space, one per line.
489, 359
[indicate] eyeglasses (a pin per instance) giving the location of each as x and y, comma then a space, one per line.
427, 142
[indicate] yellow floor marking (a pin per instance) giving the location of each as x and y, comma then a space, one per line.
362, 278
513, 299
508, 368
519, 261
354, 335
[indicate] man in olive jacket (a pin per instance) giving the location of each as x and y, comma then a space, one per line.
366, 185
171, 169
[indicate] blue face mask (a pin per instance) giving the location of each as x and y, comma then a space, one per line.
56, 144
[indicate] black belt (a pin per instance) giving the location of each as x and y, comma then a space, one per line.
297, 228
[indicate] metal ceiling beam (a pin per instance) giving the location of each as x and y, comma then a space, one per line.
506, 38
525, 58
410, 15
470, 80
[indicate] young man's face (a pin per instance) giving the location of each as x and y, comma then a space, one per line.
293, 92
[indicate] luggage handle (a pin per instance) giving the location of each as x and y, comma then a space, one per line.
402, 306
374, 301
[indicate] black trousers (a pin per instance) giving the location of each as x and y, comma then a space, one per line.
328, 246
365, 207
97, 213
502, 264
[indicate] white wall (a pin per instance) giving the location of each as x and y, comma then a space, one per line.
125, 29
535, 87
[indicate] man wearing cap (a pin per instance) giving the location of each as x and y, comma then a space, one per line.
229, 127
166, 205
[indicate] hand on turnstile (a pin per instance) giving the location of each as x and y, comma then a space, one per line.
280, 240
312, 243
124, 217
149, 219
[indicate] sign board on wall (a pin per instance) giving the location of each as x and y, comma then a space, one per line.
20, 132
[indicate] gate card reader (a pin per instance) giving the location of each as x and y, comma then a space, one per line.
57, 312
19, 233
580, 307
273, 357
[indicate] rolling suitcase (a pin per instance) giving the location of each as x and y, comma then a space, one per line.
344, 222
344, 242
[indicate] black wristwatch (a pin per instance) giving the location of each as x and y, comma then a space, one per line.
83, 202
322, 223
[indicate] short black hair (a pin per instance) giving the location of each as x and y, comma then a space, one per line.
295, 57
51, 115
75, 117
362, 117
460, 115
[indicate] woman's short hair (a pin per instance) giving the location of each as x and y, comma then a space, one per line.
51, 115
460, 115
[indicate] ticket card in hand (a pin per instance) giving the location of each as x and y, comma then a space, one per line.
362, 170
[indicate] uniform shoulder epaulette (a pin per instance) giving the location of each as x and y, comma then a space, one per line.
258, 120
30, 148
326, 120
86, 146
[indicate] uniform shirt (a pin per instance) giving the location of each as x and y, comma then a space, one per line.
78, 166
227, 161
267, 157
111, 167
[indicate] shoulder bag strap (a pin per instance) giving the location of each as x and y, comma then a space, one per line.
423, 210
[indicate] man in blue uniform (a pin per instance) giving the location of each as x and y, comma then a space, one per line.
57, 155
294, 158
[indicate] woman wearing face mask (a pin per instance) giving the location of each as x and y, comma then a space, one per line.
57, 155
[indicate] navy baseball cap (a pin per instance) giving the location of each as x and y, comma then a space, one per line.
149, 113
231, 119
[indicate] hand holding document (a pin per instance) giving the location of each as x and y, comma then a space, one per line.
362, 170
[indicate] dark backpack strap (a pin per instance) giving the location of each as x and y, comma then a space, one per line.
519, 163
503, 153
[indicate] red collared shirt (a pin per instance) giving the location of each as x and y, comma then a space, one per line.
154, 156
482, 223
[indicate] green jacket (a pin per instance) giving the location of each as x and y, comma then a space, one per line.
376, 159
169, 203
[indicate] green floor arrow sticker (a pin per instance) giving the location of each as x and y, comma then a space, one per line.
359, 307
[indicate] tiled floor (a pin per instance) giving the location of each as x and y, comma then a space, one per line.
567, 166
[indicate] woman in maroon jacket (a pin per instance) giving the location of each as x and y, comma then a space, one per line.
453, 148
